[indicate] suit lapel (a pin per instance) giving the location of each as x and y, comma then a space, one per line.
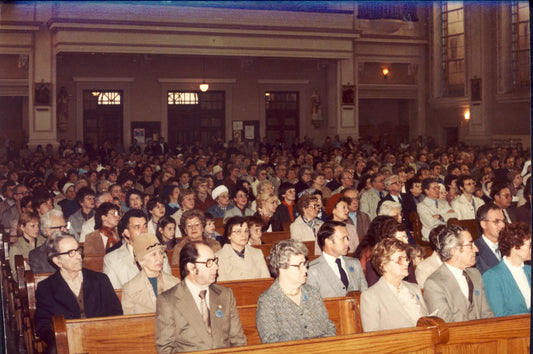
391, 300
217, 311
455, 291
190, 312
330, 277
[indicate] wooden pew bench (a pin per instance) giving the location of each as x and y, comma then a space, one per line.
273, 237
246, 292
135, 333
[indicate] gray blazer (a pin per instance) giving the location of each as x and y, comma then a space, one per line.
321, 276
442, 293
381, 310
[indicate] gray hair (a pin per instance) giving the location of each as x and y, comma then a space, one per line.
388, 206
102, 185
262, 185
447, 239
99, 197
53, 242
46, 219
388, 180
281, 252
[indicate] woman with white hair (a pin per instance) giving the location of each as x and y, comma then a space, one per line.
140, 294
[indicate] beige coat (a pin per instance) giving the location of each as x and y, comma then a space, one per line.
138, 295
233, 267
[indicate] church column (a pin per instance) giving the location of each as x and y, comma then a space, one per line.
42, 122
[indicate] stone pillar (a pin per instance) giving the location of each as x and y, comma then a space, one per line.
42, 122
347, 116
478, 17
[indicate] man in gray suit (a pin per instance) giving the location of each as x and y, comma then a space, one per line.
333, 273
197, 314
455, 290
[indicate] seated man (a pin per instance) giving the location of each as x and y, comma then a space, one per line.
73, 291
466, 205
333, 273
197, 314
491, 220
432, 210
51, 222
455, 290
119, 262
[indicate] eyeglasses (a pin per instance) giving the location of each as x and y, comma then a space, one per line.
209, 262
190, 226
72, 252
497, 221
65, 226
467, 245
314, 206
401, 260
301, 265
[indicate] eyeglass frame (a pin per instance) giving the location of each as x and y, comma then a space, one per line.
209, 262
299, 265
73, 251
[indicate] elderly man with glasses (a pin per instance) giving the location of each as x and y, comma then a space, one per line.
197, 314
72, 291
455, 292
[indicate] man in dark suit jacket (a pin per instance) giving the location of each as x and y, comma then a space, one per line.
501, 195
72, 291
492, 221
184, 321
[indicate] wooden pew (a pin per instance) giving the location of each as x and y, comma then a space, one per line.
31, 282
246, 292
417, 228
509, 334
265, 248
94, 262
273, 237
471, 225
135, 333
219, 225
420, 339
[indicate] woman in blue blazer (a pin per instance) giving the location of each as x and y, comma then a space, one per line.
508, 285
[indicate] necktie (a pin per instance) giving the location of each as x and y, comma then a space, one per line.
474, 205
205, 311
380, 195
470, 286
344, 277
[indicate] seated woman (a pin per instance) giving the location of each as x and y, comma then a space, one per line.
267, 202
237, 259
221, 197
186, 200
28, 239
105, 233
291, 309
156, 210
340, 213
372, 237
391, 302
140, 293
396, 231
239, 195
285, 211
508, 285
306, 226
171, 194
166, 232
255, 224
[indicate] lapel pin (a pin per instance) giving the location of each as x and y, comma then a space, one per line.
476, 292
351, 269
219, 313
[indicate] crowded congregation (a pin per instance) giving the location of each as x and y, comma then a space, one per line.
265, 176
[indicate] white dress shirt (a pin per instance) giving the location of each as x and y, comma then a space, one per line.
458, 274
521, 280
493, 247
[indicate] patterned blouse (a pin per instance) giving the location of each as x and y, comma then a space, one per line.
279, 319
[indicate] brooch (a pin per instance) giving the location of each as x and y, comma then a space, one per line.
351, 269
304, 297
476, 292
218, 313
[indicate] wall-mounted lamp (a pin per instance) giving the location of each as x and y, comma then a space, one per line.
203, 86
385, 72
95, 93
467, 114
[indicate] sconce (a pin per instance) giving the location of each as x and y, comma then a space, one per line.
467, 114
385, 72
